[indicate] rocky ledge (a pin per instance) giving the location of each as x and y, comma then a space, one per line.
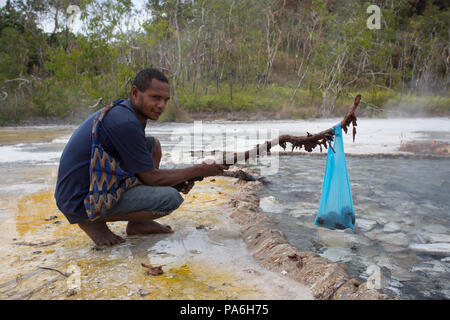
439, 148
326, 279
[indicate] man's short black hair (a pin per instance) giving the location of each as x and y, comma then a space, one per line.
143, 79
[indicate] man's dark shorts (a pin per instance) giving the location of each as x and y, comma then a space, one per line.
157, 199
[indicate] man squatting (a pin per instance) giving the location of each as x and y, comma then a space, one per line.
122, 135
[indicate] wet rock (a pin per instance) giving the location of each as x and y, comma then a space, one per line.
392, 248
381, 221
391, 227
304, 195
71, 292
442, 248
202, 227
428, 147
347, 290
365, 292
322, 276
365, 225
368, 193
337, 238
326, 279
270, 204
431, 266
143, 292
405, 221
398, 239
436, 237
417, 237
337, 254
252, 271
394, 285
247, 206
436, 228
372, 235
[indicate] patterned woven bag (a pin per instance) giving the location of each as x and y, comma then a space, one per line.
108, 181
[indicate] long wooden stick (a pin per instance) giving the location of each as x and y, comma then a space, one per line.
308, 142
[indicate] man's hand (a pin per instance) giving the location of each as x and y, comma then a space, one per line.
211, 168
185, 186
206, 169
172, 177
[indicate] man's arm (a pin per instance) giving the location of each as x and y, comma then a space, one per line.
171, 177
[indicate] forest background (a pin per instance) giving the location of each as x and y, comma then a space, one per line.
232, 59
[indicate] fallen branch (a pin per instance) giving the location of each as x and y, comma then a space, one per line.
39, 244
51, 269
16, 79
308, 142
427, 148
28, 275
239, 174
30, 293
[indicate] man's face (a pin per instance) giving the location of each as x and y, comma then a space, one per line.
151, 103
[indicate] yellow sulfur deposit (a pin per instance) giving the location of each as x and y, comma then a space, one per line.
204, 258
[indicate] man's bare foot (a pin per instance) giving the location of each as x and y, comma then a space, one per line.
144, 227
99, 232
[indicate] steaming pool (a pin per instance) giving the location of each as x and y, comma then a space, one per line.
401, 203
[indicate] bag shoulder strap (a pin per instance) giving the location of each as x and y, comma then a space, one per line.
102, 114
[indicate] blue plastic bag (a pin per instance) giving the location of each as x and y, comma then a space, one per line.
336, 205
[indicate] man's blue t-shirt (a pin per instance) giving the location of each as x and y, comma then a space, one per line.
122, 135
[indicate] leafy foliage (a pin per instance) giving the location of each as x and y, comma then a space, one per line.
297, 58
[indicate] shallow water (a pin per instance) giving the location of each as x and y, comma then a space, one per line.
204, 259
406, 200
